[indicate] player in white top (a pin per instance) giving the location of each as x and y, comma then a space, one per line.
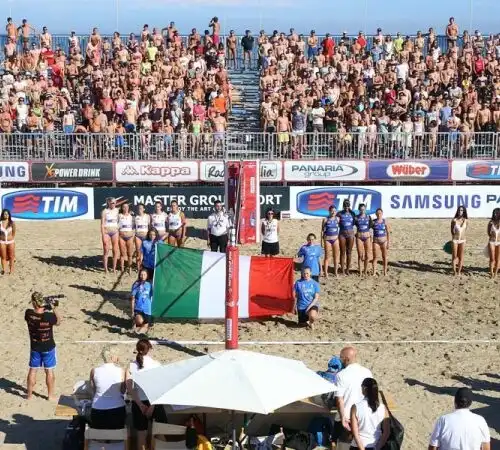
270, 229
494, 242
176, 225
142, 222
126, 234
159, 221
142, 411
458, 227
109, 233
7, 241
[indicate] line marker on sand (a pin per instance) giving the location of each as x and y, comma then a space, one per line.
270, 343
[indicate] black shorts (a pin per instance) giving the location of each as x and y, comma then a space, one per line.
304, 315
147, 318
141, 422
270, 248
108, 419
218, 243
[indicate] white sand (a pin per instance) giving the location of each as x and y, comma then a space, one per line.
419, 300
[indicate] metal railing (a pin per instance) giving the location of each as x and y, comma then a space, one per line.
62, 41
210, 146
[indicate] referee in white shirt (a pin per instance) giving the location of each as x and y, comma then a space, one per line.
461, 429
218, 225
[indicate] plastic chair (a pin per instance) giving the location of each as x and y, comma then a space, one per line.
92, 434
170, 431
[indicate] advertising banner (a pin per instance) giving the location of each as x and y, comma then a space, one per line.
478, 170
49, 204
72, 171
397, 201
213, 171
14, 172
249, 202
196, 202
324, 170
431, 170
156, 171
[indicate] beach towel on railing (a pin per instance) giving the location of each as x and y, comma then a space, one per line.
191, 284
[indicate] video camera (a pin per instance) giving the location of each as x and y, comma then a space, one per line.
52, 301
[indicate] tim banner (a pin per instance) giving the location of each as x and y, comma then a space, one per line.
431, 170
475, 170
324, 170
156, 171
49, 204
14, 172
397, 201
72, 171
213, 171
196, 202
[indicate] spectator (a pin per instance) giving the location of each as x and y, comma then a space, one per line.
349, 391
247, 43
369, 419
108, 385
461, 429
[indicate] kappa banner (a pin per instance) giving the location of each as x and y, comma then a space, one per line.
14, 172
195, 202
407, 170
404, 202
191, 284
213, 171
72, 171
324, 170
475, 170
156, 171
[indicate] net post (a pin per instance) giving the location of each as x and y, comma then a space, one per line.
232, 292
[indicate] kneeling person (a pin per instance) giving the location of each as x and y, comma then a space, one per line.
141, 300
306, 296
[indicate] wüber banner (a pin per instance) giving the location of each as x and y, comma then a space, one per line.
409, 170
404, 202
475, 170
72, 171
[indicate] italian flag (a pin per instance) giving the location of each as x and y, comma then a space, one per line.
191, 284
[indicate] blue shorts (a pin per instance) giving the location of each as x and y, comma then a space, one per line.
43, 360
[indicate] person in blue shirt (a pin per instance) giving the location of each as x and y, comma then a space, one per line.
346, 236
311, 254
363, 239
148, 252
306, 297
141, 300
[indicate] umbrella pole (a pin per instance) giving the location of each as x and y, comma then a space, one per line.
233, 420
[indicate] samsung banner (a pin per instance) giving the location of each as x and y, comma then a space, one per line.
396, 201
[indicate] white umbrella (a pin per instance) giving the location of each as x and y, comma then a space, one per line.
234, 380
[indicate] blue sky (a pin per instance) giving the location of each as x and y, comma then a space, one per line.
335, 16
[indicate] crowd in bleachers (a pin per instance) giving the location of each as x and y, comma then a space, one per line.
386, 96
156, 82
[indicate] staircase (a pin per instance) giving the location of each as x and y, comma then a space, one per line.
244, 140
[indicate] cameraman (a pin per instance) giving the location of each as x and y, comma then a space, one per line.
41, 319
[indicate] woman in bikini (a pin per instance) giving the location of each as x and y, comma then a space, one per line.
458, 227
126, 235
159, 221
142, 223
493, 242
381, 233
109, 233
330, 237
346, 238
363, 239
7, 243
176, 221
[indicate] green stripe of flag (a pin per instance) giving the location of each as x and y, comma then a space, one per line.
177, 281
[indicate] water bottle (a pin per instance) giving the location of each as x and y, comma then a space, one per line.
252, 219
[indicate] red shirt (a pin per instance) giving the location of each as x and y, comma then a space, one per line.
328, 46
361, 41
